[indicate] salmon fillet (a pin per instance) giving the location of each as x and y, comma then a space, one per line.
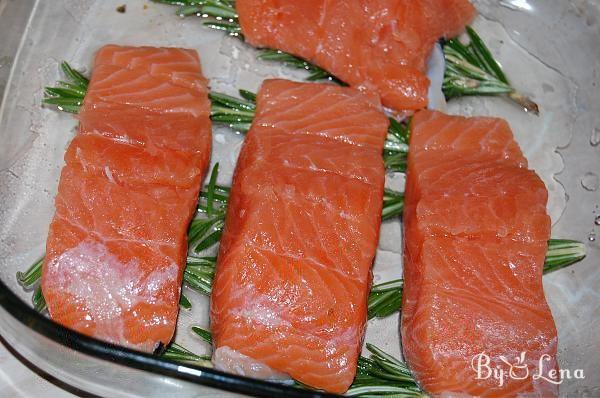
476, 232
290, 292
381, 46
118, 240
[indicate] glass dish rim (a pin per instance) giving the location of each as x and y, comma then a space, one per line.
107, 352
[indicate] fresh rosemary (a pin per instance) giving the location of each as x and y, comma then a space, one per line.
385, 299
30, 277
235, 112
393, 204
199, 273
218, 14
68, 95
39, 302
206, 229
203, 334
472, 70
175, 352
383, 375
184, 302
395, 150
314, 72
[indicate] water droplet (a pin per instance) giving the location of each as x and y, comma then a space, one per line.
590, 181
592, 236
595, 137
597, 220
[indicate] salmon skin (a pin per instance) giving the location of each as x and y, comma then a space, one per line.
476, 232
381, 46
118, 240
289, 297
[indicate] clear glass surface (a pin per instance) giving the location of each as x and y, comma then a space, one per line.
549, 49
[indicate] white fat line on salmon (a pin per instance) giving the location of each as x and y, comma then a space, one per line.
108, 173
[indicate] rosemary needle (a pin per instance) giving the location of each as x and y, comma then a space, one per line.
211, 190
203, 334
184, 302
562, 253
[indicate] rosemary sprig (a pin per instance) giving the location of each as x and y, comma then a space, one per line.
393, 204
218, 14
472, 70
206, 229
314, 72
383, 375
235, 112
39, 303
67, 95
175, 352
395, 149
30, 277
199, 273
385, 299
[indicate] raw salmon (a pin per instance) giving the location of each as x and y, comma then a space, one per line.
476, 237
117, 244
381, 46
294, 267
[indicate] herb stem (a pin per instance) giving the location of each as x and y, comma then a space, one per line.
30, 277
67, 95
175, 352
472, 70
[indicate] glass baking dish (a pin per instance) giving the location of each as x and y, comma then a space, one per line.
549, 48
